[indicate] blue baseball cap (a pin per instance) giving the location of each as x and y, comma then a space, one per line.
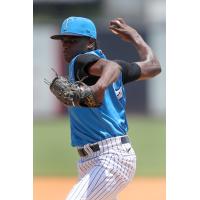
77, 26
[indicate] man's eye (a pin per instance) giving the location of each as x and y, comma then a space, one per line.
70, 41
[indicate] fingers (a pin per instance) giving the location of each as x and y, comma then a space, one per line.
114, 29
117, 22
115, 25
121, 20
118, 26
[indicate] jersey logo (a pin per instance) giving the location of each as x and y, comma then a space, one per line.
119, 93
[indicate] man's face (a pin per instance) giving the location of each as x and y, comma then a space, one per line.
73, 45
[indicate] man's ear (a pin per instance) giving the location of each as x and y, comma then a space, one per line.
91, 45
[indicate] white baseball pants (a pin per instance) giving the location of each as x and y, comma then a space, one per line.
103, 174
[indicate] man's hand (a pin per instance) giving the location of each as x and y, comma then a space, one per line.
119, 27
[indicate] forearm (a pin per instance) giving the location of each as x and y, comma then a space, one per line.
149, 63
144, 50
108, 72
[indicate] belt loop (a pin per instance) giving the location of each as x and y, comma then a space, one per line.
82, 152
125, 139
88, 149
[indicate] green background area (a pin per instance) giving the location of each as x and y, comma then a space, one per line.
53, 155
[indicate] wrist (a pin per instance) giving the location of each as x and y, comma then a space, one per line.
100, 86
136, 39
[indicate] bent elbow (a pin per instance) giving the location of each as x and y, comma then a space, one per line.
149, 69
152, 71
156, 67
157, 70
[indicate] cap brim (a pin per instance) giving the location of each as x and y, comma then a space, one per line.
59, 37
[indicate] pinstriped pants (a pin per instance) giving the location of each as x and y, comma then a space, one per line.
103, 174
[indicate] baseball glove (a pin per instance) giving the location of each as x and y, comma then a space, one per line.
73, 94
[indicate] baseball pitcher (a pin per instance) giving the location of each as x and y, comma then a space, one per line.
95, 96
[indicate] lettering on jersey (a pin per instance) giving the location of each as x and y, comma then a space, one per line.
119, 93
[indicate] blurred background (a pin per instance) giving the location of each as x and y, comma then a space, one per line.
146, 106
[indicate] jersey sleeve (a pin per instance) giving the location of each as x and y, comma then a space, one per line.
130, 71
81, 66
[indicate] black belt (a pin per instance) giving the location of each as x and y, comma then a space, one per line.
95, 147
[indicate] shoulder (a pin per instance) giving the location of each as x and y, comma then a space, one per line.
81, 66
84, 59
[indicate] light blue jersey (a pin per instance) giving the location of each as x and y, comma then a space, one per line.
90, 125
